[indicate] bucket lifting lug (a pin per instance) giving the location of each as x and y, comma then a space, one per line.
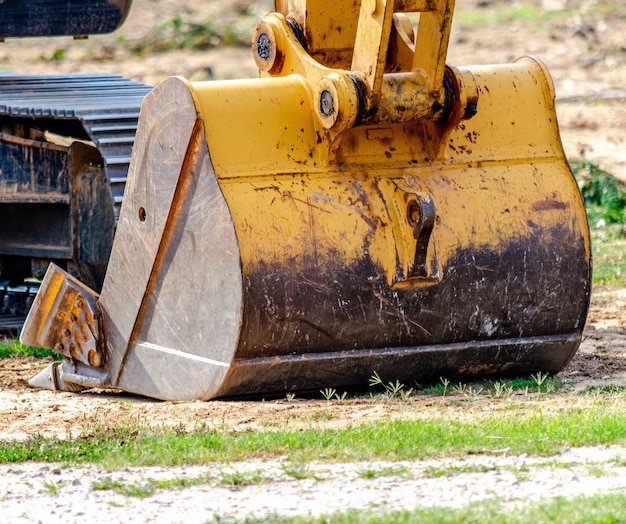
421, 216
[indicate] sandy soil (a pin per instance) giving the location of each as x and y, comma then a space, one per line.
55, 493
585, 52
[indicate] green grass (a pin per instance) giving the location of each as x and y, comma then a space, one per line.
370, 472
605, 509
12, 348
608, 389
451, 470
503, 387
533, 433
231, 478
604, 195
183, 32
299, 471
131, 489
148, 487
605, 202
608, 246
525, 11
236, 478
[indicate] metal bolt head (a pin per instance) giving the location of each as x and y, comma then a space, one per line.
264, 46
335, 101
327, 103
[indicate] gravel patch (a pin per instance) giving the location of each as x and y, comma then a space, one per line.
51, 493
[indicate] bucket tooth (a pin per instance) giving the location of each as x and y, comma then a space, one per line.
64, 317
52, 377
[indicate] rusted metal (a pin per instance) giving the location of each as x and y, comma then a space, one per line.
79, 331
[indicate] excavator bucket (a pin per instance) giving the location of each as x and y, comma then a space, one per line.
361, 207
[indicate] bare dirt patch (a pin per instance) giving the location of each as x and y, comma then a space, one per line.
582, 46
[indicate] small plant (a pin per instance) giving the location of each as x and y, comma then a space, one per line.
539, 379
460, 388
474, 392
403, 472
290, 397
133, 489
392, 389
237, 478
53, 487
445, 383
299, 471
405, 394
328, 393
501, 390
341, 397
331, 394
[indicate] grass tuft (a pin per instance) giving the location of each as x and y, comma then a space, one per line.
182, 32
13, 348
604, 195
608, 248
403, 472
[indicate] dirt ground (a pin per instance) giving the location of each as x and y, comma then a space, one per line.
585, 50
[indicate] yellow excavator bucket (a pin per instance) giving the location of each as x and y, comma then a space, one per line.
361, 207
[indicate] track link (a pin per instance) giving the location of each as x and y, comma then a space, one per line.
100, 108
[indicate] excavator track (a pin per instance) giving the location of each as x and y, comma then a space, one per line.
101, 109
106, 105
